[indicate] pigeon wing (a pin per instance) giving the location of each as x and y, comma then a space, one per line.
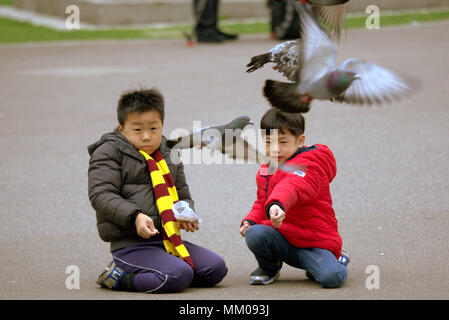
188, 141
259, 61
318, 51
322, 3
184, 142
377, 85
285, 57
332, 18
242, 149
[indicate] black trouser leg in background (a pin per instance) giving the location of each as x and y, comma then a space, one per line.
208, 18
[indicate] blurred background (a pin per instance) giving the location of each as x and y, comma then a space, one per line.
45, 20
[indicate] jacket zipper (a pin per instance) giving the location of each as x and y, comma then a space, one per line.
266, 186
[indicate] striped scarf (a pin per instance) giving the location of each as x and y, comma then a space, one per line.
166, 194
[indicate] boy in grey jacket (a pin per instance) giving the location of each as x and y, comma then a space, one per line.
121, 192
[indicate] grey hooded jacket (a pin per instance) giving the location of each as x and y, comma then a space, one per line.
120, 187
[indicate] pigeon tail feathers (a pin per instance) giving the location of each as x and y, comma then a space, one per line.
283, 96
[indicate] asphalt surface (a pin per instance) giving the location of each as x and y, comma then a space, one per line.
390, 194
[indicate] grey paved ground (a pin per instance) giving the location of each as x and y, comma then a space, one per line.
390, 194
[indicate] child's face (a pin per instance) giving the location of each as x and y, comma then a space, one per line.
284, 146
143, 130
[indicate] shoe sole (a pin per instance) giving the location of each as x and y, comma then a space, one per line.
261, 282
105, 274
106, 278
105, 281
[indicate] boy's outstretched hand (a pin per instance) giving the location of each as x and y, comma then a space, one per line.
277, 215
145, 226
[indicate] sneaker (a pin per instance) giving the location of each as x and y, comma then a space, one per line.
109, 278
263, 276
309, 275
345, 258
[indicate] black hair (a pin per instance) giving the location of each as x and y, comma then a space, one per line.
140, 101
277, 119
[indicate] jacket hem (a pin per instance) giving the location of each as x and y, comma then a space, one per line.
125, 242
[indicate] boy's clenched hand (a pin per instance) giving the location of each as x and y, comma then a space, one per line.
145, 226
277, 215
244, 227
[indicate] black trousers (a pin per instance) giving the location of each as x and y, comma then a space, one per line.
208, 17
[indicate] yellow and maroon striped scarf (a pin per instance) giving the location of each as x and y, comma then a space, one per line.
166, 194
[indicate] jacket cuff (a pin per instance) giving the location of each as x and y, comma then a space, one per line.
134, 217
267, 207
126, 214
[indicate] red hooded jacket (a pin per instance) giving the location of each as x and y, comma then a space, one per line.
305, 198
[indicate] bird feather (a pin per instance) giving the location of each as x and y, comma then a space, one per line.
283, 95
318, 51
377, 85
332, 18
284, 56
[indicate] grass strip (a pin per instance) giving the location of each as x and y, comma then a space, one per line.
12, 31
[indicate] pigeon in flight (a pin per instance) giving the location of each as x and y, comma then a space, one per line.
196, 139
330, 13
237, 147
228, 140
317, 76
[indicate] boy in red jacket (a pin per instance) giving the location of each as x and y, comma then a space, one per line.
292, 220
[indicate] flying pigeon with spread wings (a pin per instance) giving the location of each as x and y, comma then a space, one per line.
316, 76
228, 140
329, 13
225, 138
197, 139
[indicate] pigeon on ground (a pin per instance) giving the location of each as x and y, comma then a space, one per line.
317, 77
